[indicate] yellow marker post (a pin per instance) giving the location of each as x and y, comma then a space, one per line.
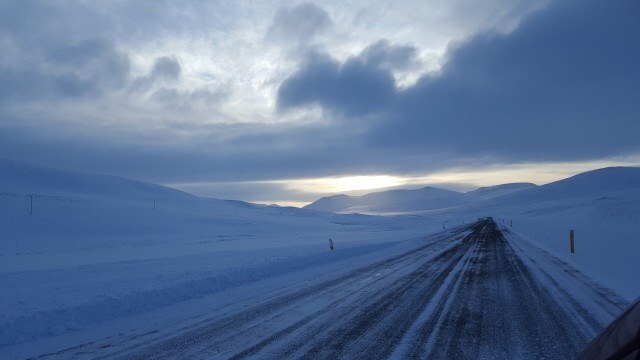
572, 241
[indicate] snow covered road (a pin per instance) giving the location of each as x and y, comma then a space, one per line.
468, 293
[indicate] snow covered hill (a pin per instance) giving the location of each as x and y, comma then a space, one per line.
393, 201
593, 185
499, 190
405, 201
32, 179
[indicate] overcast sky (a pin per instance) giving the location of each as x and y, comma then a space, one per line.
285, 101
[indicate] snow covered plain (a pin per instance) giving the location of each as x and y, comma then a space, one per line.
95, 249
96, 265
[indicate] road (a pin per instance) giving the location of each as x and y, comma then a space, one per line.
467, 293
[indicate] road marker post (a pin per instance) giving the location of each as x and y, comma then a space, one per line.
572, 241
330, 244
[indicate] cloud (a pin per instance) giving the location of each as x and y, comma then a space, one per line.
95, 61
68, 57
171, 93
562, 85
362, 85
389, 56
354, 88
187, 100
166, 67
85, 68
299, 24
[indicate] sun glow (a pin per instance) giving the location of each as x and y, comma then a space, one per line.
299, 192
354, 183
344, 184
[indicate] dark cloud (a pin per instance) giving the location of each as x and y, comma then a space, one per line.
298, 24
353, 88
362, 85
563, 85
55, 52
221, 153
85, 68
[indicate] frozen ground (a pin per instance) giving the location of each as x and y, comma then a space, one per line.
470, 292
108, 266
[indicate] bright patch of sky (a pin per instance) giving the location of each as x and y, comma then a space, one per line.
300, 192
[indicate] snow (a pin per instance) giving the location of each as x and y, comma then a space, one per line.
601, 206
403, 201
393, 201
104, 252
95, 251
489, 192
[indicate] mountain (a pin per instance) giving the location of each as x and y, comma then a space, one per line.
499, 190
391, 201
591, 185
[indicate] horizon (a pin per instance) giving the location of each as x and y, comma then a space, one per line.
467, 181
285, 103
354, 186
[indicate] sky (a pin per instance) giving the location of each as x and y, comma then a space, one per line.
284, 102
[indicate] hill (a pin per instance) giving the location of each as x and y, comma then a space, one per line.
393, 201
499, 190
21, 177
590, 185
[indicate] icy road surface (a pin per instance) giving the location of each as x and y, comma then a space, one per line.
471, 294
478, 291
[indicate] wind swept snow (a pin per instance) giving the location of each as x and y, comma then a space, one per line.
94, 265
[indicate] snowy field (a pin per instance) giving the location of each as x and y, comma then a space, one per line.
95, 248
83, 256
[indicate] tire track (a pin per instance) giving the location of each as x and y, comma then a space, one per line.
218, 331
470, 293
373, 329
501, 311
